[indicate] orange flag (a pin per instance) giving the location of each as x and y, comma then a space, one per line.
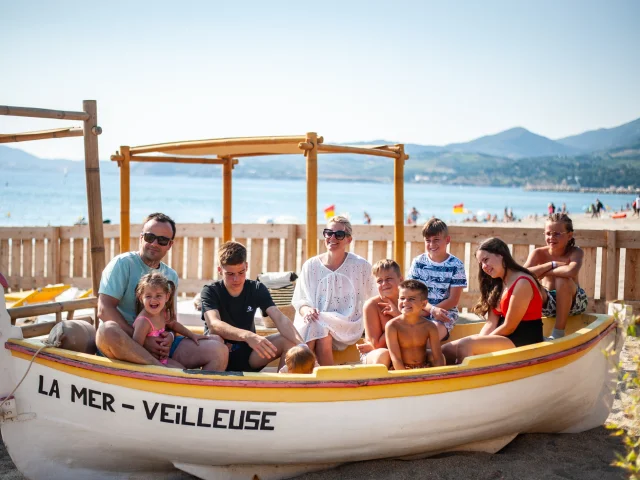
329, 212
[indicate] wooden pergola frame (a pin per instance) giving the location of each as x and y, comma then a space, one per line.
90, 132
226, 151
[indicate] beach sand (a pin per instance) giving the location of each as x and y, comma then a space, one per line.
581, 221
581, 456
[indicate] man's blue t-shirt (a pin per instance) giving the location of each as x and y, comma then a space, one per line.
120, 279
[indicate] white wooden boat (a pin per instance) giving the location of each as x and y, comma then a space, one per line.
83, 416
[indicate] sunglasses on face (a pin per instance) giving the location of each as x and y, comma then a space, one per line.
150, 238
327, 233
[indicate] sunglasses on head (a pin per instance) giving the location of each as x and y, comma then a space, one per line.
327, 233
150, 238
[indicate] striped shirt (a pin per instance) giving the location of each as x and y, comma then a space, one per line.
439, 278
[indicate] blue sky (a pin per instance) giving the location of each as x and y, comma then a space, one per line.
419, 72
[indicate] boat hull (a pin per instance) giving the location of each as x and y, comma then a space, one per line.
74, 424
82, 416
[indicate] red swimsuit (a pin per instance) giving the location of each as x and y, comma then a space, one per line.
534, 310
529, 330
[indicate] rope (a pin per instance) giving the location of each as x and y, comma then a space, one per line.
6, 399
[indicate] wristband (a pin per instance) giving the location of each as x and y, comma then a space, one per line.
553, 265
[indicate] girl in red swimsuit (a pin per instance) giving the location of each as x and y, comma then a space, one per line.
509, 298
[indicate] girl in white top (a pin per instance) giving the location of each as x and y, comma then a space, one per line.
330, 294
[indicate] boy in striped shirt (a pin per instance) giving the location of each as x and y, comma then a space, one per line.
442, 273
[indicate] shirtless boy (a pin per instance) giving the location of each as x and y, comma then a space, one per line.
557, 266
407, 335
378, 311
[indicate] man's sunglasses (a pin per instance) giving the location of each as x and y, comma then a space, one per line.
150, 238
327, 233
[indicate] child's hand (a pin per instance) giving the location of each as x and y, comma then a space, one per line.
159, 346
197, 338
388, 308
440, 314
364, 347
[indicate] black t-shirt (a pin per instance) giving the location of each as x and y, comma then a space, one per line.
236, 311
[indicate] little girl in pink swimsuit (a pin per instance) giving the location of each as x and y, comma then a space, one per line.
155, 311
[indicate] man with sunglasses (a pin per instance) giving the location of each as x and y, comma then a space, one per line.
117, 305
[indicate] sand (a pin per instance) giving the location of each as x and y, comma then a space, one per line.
581, 456
581, 221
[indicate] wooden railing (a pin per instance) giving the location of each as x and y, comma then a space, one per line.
32, 257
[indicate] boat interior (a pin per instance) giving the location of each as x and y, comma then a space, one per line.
582, 330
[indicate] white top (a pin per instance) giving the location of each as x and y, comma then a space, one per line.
339, 297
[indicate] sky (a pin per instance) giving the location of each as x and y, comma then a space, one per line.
428, 72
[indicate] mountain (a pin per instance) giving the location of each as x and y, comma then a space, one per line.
412, 149
514, 143
16, 159
513, 157
17, 156
605, 138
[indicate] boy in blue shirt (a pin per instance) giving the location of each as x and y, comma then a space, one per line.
442, 273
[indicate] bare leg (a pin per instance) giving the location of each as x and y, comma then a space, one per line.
450, 352
171, 363
442, 330
324, 350
566, 290
282, 345
544, 295
430, 357
379, 356
209, 354
479, 344
115, 344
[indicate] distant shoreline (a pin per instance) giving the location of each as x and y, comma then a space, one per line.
565, 188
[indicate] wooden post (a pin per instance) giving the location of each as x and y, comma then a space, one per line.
398, 220
611, 286
290, 249
94, 201
226, 199
125, 199
312, 195
54, 254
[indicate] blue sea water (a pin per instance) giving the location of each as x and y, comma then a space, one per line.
32, 199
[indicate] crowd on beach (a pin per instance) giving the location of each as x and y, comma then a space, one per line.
338, 297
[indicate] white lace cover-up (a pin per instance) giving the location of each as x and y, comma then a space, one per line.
339, 297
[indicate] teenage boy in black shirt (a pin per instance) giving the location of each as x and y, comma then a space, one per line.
228, 309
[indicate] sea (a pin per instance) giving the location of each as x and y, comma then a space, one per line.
39, 199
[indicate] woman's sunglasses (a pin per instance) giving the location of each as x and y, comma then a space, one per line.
150, 238
327, 233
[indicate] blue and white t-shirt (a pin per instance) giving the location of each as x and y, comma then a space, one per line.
439, 278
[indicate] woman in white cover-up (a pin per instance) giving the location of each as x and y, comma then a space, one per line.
330, 294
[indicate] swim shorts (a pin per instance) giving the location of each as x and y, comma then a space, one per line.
578, 306
174, 346
239, 358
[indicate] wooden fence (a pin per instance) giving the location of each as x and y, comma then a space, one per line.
32, 257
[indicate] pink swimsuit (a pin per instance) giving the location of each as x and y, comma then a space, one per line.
153, 333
